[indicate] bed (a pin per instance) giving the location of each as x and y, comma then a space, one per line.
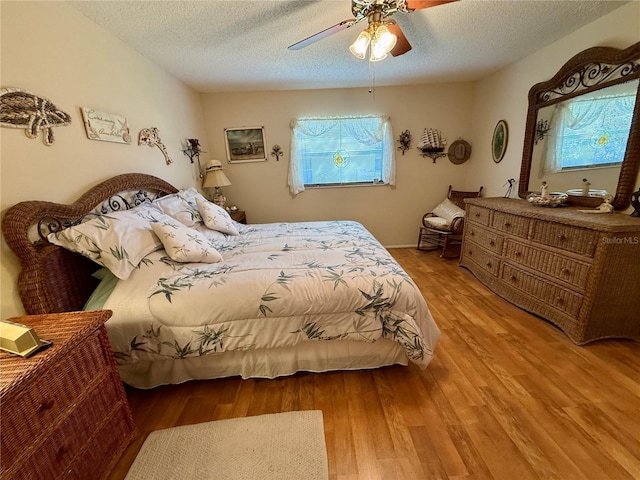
201, 296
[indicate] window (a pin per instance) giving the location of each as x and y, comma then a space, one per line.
590, 131
337, 151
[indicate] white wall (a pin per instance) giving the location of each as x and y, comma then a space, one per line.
392, 214
504, 94
49, 49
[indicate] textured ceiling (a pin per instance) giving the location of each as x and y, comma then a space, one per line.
215, 45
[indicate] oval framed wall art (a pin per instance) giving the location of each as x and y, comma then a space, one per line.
499, 141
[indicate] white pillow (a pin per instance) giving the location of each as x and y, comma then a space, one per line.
184, 244
215, 217
181, 206
448, 210
117, 240
211, 235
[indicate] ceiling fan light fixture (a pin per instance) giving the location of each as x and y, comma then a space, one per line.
376, 56
382, 43
384, 38
359, 47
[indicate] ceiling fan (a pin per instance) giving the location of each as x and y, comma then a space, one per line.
383, 35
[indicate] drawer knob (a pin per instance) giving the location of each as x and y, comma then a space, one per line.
559, 300
477, 215
470, 252
472, 233
566, 271
513, 278
46, 405
518, 254
492, 243
561, 237
488, 264
507, 224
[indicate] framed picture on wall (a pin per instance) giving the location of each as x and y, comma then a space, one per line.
499, 142
245, 144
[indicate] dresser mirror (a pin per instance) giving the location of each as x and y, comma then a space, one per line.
583, 129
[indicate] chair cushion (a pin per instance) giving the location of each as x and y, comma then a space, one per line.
448, 210
438, 223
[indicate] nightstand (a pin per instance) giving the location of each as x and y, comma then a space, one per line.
64, 410
239, 216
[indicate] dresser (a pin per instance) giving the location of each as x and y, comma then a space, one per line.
64, 411
578, 270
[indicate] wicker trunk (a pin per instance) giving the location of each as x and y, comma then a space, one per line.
580, 271
64, 411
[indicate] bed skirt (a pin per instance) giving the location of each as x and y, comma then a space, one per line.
320, 356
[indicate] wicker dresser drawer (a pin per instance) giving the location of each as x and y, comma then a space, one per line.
573, 239
569, 270
579, 271
478, 214
36, 408
560, 298
482, 258
63, 444
489, 239
512, 224
55, 404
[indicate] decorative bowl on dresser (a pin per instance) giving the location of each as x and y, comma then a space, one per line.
64, 411
579, 271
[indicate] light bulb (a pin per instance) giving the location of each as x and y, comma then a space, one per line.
359, 47
382, 43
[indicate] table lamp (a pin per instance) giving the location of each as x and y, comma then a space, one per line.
215, 177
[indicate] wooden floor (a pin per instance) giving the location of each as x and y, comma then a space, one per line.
508, 396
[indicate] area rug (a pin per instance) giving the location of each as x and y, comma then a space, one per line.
280, 446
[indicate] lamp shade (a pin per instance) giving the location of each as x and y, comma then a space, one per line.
359, 47
214, 176
382, 43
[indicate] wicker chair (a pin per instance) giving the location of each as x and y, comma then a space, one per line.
445, 231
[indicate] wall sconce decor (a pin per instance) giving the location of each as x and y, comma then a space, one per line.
405, 141
276, 151
150, 137
432, 144
542, 130
192, 150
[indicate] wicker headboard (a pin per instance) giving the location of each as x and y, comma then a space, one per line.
53, 279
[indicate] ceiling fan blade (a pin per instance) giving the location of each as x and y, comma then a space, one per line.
343, 25
421, 4
402, 44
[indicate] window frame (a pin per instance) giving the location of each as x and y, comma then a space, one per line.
317, 126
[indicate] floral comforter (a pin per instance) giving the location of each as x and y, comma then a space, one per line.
277, 285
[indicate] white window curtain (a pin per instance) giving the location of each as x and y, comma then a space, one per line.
368, 130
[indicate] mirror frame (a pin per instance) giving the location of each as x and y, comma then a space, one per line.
590, 70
